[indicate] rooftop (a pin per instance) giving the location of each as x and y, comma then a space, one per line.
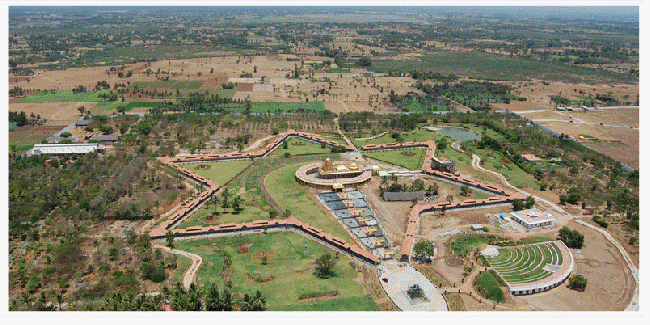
533, 215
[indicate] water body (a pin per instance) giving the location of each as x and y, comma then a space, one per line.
459, 134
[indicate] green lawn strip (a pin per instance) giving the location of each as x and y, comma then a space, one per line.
504, 256
264, 107
337, 70
223, 93
548, 256
291, 195
63, 96
418, 135
398, 157
535, 263
297, 146
529, 260
463, 245
222, 171
291, 268
357, 303
182, 264
488, 287
515, 175
557, 252
533, 240
247, 214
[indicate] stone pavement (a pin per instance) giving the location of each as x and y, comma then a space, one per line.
400, 278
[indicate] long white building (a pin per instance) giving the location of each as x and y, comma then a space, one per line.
64, 149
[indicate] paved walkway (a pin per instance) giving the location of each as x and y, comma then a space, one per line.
400, 278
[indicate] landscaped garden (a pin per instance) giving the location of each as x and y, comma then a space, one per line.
408, 158
524, 264
488, 287
285, 275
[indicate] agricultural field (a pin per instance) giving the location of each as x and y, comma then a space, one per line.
287, 276
64, 96
25, 137
410, 159
110, 106
170, 84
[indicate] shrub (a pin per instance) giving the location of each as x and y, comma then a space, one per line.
578, 282
572, 238
600, 221
243, 249
424, 247
153, 272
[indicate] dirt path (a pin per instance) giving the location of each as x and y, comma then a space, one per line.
190, 274
373, 137
257, 143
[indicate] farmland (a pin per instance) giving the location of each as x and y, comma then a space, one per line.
181, 84
63, 96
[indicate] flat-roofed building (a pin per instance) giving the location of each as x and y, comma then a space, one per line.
64, 149
443, 164
533, 218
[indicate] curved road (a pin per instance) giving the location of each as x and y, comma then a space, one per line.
190, 274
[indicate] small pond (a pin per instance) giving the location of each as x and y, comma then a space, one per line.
459, 134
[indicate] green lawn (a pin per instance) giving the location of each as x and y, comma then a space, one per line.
291, 269
291, 195
183, 263
418, 135
336, 70
63, 96
397, 157
515, 175
221, 172
489, 288
247, 214
297, 146
466, 244
525, 264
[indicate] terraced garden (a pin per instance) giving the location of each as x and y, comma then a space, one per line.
525, 264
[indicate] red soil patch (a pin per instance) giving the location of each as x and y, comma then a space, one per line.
258, 256
455, 261
245, 86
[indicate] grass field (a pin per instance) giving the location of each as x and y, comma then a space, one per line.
515, 175
291, 269
64, 96
223, 93
290, 194
247, 214
182, 264
221, 172
487, 66
489, 288
416, 105
466, 244
418, 135
397, 157
525, 264
170, 84
336, 70
298, 146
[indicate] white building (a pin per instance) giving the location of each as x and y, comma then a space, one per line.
64, 149
533, 218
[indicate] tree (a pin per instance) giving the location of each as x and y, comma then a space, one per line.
530, 202
572, 238
170, 239
517, 205
324, 266
236, 203
215, 201
365, 61
121, 109
225, 203
255, 69
81, 110
464, 190
212, 301
578, 282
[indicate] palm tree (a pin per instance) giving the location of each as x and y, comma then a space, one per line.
215, 201
212, 302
